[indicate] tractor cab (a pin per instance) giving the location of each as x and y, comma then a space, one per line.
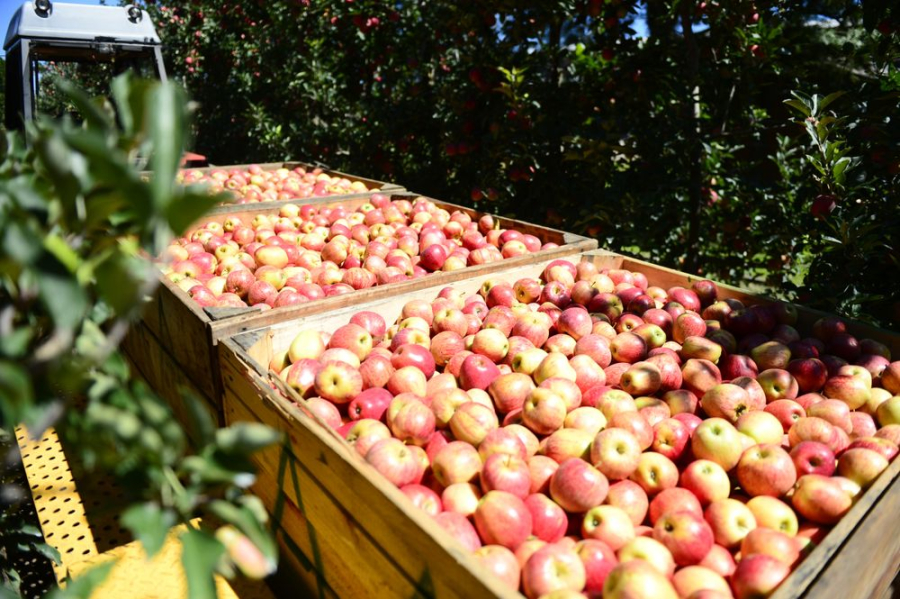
87, 45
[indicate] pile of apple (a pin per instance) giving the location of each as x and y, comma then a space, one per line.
305, 253
588, 433
258, 185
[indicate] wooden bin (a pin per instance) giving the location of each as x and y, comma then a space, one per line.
329, 503
173, 346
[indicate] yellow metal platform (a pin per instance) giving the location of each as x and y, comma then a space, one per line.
81, 522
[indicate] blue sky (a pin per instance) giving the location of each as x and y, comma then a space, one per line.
8, 7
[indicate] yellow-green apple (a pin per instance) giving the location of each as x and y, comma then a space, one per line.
758, 575
686, 535
728, 401
820, 499
771, 354
778, 383
717, 440
338, 382
675, 499
670, 438
549, 521
616, 453
730, 520
761, 426
700, 348
462, 498
456, 462
567, 443
774, 514
629, 496
690, 581
472, 421
651, 551
627, 347
553, 568
813, 457
861, 465
502, 519
653, 335
699, 376
460, 528
491, 343
544, 411
527, 361
410, 420
554, 365
598, 559
577, 486
787, 411
363, 434
444, 404
610, 524
707, 480
395, 461
504, 472
766, 469
767, 541
888, 412
635, 579
306, 344
566, 389
542, 469
681, 401
587, 419
655, 473
642, 378
423, 498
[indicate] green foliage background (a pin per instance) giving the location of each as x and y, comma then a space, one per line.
678, 148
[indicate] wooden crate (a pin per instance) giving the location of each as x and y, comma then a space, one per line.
173, 346
345, 503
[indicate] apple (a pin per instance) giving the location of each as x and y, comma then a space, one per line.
423, 498
549, 521
503, 519
733, 366
636, 579
395, 461
766, 469
694, 581
306, 344
502, 440
648, 550
627, 347
730, 520
609, 524
775, 514
577, 486
477, 372
699, 376
642, 378
888, 412
553, 568
787, 411
629, 496
472, 421
544, 411
670, 438
460, 528
885, 447
457, 462
761, 426
767, 541
504, 472
681, 401
599, 560
410, 420
812, 457
758, 575
861, 465
674, 499
686, 535
717, 440
338, 382
778, 383
707, 480
820, 499
728, 401
567, 443
701, 348
542, 469
655, 473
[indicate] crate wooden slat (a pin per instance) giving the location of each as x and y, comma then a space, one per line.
178, 332
336, 471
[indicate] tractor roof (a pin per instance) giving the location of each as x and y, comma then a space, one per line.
75, 22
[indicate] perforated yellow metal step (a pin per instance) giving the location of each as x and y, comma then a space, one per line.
80, 521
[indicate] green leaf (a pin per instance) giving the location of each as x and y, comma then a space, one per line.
94, 117
190, 205
149, 524
16, 392
799, 107
57, 246
200, 555
167, 127
244, 438
60, 292
839, 169
248, 522
84, 586
201, 426
827, 100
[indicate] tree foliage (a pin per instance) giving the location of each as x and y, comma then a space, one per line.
77, 223
675, 145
